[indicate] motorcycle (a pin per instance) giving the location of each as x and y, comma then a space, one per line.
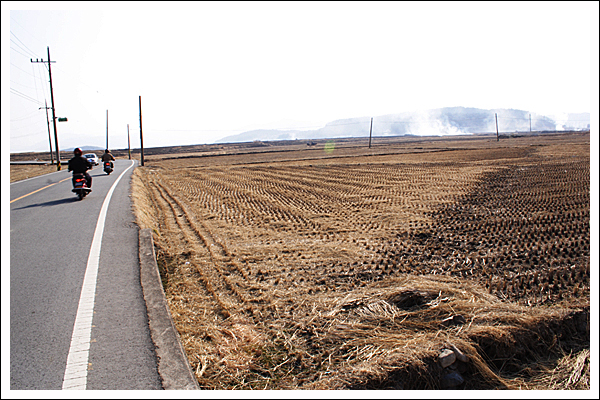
80, 187
108, 167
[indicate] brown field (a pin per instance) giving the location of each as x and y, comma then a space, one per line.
20, 172
336, 266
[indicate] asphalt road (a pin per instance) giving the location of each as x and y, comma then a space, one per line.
51, 236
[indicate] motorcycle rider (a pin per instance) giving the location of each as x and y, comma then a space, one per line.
79, 165
108, 157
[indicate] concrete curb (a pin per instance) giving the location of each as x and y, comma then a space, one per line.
173, 365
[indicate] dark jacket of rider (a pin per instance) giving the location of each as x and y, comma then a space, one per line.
80, 165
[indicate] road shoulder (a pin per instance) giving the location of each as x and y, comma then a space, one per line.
173, 365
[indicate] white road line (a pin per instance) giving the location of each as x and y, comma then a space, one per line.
77, 361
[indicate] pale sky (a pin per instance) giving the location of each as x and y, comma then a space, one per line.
208, 70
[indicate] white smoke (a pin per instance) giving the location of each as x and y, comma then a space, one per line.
432, 123
433, 128
560, 119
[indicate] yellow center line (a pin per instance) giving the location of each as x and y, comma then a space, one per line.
35, 191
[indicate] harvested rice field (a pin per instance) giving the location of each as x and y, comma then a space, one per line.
418, 263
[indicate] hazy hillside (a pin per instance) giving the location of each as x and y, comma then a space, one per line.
576, 121
440, 121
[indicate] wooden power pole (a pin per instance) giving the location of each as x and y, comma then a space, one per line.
497, 136
370, 132
49, 135
53, 108
141, 133
128, 143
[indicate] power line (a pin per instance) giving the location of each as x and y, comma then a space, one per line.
35, 81
21, 70
20, 47
22, 136
24, 47
28, 49
44, 88
20, 84
25, 117
16, 92
25, 127
17, 51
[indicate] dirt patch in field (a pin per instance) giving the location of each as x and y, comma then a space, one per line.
355, 269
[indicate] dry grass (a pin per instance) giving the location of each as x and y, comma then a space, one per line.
299, 269
20, 172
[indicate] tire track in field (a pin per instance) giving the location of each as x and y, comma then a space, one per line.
171, 237
222, 276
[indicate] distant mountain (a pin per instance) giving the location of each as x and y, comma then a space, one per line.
263, 135
435, 122
84, 148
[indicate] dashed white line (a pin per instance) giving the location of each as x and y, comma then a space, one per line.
75, 376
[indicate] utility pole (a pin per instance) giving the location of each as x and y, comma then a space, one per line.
141, 133
128, 143
107, 129
53, 108
370, 132
497, 137
529, 123
49, 135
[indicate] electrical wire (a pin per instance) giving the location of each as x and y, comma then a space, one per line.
44, 82
26, 117
17, 51
33, 126
32, 54
20, 84
22, 136
35, 82
26, 48
16, 92
20, 69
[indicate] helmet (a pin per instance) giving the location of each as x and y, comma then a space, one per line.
107, 151
77, 151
